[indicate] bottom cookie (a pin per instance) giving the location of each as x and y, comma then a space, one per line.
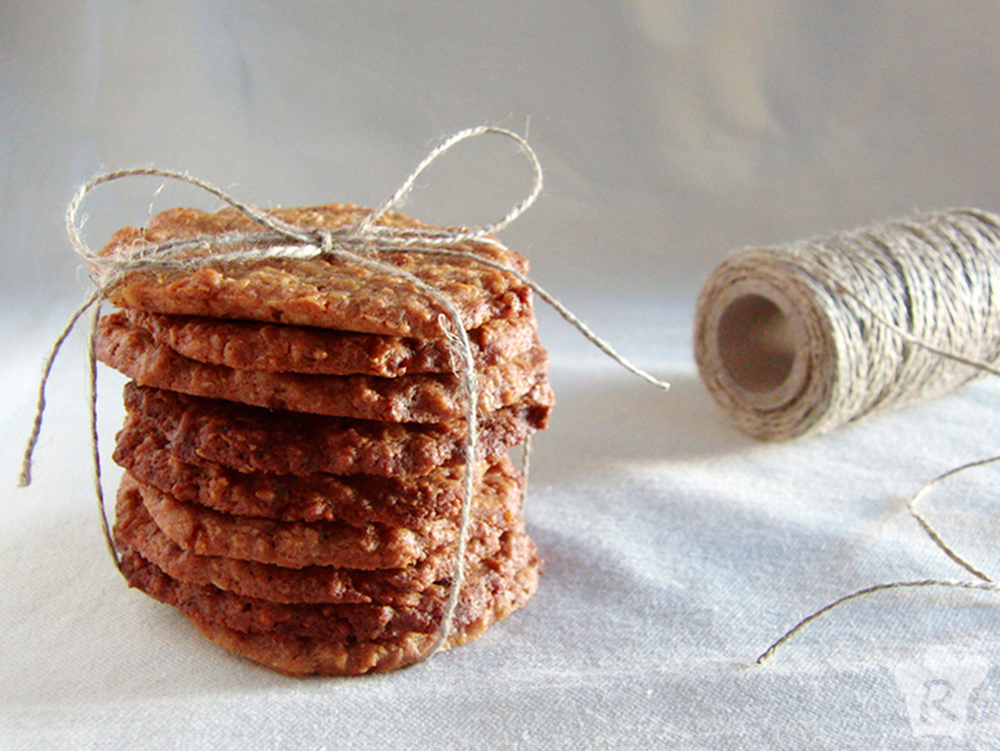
302, 656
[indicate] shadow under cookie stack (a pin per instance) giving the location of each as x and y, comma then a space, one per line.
294, 446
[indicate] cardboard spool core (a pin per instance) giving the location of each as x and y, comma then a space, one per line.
758, 347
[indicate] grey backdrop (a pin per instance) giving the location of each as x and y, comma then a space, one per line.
671, 132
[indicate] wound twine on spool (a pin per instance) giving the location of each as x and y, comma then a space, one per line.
360, 244
806, 337
803, 338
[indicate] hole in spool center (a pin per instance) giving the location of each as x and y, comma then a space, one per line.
756, 343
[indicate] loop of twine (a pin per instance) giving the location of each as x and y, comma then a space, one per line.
803, 338
353, 245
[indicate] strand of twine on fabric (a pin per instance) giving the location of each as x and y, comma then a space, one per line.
853, 324
359, 244
985, 583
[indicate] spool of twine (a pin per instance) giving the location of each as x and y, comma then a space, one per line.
805, 337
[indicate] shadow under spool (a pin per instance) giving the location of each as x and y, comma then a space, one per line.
786, 339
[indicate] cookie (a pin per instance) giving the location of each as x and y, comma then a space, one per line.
427, 398
322, 292
352, 499
135, 530
251, 439
366, 621
250, 345
301, 656
298, 544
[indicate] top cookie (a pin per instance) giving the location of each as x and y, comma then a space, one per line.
323, 292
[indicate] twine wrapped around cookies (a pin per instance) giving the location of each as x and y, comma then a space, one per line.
805, 337
360, 245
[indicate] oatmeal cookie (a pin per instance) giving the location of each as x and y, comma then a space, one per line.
322, 292
483, 582
135, 530
274, 348
425, 398
352, 499
251, 439
300, 656
298, 544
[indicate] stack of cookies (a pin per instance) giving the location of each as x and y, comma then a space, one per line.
295, 441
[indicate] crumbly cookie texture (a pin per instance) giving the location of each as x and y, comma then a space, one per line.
250, 439
135, 530
483, 580
426, 398
322, 292
301, 655
298, 544
352, 499
275, 348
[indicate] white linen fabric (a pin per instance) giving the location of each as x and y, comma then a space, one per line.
676, 548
